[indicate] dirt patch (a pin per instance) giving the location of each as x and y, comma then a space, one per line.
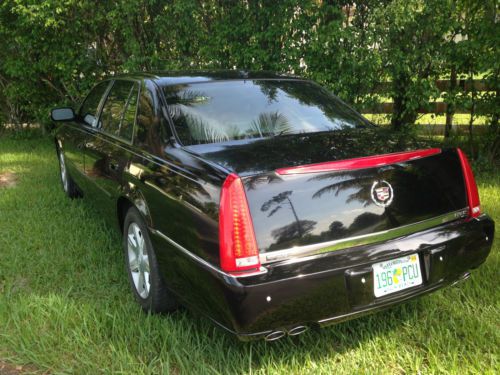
8, 369
12, 369
8, 179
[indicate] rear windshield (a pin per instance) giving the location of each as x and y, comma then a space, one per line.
231, 110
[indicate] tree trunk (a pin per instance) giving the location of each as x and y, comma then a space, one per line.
401, 114
472, 113
299, 227
450, 107
494, 131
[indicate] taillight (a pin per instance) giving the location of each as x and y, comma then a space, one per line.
238, 247
470, 184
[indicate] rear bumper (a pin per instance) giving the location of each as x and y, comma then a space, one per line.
359, 312
328, 288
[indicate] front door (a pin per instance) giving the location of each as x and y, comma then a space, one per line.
76, 133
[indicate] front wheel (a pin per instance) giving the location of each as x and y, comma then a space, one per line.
142, 267
68, 184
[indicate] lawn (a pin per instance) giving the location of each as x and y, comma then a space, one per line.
65, 305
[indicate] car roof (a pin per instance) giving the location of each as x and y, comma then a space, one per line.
165, 78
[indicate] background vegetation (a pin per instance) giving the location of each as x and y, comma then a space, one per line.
52, 51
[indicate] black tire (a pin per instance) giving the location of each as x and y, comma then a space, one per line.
158, 298
69, 186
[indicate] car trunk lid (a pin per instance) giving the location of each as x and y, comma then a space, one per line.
334, 209
341, 189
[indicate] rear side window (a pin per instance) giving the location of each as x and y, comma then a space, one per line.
118, 112
88, 110
152, 130
128, 119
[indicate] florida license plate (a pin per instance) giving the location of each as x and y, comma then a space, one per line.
396, 274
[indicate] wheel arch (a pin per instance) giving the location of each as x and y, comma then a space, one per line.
132, 199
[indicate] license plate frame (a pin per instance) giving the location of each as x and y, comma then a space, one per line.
396, 274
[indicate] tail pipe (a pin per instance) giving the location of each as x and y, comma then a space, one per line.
462, 278
276, 335
297, 330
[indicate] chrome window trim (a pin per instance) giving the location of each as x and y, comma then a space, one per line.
365, 239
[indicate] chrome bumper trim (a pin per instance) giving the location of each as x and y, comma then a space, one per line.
365, 239
203, 262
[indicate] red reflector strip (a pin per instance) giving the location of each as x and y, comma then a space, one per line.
470, 185
359, 163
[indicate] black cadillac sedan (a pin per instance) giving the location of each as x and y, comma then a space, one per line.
266, 203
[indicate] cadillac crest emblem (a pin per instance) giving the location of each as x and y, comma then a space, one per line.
382, 193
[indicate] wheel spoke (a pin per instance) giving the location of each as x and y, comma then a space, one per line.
135, 278
145, 263
139, 238
134, 265
147, 282
133, 245
141, 285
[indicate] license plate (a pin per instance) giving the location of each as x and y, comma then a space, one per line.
396, 274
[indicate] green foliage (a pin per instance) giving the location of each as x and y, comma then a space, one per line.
52, 51
410, 34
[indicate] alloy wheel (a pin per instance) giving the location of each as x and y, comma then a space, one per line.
138, 260
64, 174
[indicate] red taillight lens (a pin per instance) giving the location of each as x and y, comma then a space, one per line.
238, 247
470, 184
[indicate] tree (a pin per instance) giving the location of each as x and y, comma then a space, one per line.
411, 34
53, 50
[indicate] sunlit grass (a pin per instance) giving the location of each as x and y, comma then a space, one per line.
65, 305
430, 119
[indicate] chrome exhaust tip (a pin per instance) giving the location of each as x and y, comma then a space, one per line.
297, 330
462, 278
276, 335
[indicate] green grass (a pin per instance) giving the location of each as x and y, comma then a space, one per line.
65, 305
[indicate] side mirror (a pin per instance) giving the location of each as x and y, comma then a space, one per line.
62, 114
91, 120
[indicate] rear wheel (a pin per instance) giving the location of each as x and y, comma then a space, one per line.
68, 184
142, 267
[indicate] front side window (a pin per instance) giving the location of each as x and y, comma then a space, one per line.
242, 109
118, 112
90, 106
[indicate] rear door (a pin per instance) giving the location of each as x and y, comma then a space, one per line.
107, 150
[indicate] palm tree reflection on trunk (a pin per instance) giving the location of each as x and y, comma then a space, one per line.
278, 201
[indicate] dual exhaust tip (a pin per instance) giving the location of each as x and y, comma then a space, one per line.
276, 335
